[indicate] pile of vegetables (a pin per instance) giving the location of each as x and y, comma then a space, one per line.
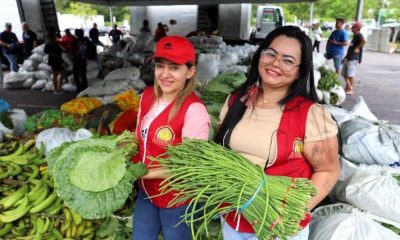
329, 84
94, 176
53, 118
31, 209
211, 175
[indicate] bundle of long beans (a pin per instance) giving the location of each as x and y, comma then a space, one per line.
210, 175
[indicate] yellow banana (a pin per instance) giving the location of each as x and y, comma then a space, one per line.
74, 229
7, 202
18, 212
67, 220
47, 202
76, 217
29, 144
80, 229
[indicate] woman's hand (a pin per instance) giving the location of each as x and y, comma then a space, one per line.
323, 156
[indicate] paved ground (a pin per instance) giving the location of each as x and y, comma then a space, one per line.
378, 82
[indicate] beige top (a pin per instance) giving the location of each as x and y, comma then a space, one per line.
254, 137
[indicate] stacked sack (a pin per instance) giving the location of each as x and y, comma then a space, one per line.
369, 180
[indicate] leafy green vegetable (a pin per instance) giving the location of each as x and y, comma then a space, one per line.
5, 119
106, 169
328, 80
107, 185
53, 118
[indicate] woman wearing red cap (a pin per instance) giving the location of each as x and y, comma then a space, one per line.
168, 112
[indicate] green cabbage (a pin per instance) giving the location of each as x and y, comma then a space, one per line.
94, 176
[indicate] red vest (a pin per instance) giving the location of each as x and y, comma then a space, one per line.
161, 133
290, 161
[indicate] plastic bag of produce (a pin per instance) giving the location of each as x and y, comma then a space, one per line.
343, 222
13, 122
207, 67
127, 100
49, 86
39, 49
82, 105
232, 69
228, 59
45, 67
371, 188
28, 83
36, 57
371, 142
30, 65
69, 87
41, 74
54, 137
14, 80
39, 84
128, 74
335, 96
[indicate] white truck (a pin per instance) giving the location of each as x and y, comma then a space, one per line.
268, 17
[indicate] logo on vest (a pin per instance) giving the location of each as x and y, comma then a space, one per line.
297, 150
164, 135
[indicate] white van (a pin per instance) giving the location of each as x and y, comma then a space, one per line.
268, 17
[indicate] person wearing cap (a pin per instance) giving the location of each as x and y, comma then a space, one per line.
10, 46
336, 44
353, 57
29, 38
169, 111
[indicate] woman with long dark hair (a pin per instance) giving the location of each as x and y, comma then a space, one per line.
274, 120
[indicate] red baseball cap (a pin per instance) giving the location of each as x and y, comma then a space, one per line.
357, 25
176, 49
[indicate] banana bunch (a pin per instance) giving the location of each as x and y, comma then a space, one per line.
25, 154
8, 148
29, 206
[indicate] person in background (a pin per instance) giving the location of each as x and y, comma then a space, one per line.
160, 32
54, 50
169, 111
336, 44
94, 36
67, 41
29, 38
145, 27
353, 57
317, 36
10, 46
115, 34
274, 121
79, 59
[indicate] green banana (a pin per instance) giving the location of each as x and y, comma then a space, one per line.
18, 152
8, 201
87, 231
38, 184
34, 171
16, 213
17, 169
73, 228
55, 208
81, 228
8, 172
46, 203
39, 196
57, 234
6, 228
